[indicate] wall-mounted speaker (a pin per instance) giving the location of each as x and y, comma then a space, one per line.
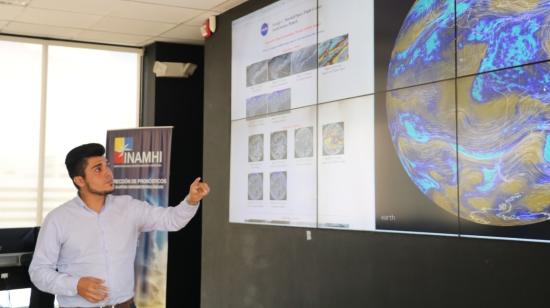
173, 69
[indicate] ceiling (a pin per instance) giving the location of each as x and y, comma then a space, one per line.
120, 22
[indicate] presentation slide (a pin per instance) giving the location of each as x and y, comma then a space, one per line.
346, 49
280, 54
273, 169
274, 59
346, 164
281, 60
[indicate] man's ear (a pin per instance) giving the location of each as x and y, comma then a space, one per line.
79, 181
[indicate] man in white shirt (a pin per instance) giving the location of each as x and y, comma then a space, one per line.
86, 247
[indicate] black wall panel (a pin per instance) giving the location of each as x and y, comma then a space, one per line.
265, 266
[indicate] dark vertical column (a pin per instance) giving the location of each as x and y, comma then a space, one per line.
178, 102
147, 114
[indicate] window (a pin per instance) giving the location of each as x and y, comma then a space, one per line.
20, 82
55, 97
89, 92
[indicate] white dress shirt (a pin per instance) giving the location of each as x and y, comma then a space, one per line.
75, 242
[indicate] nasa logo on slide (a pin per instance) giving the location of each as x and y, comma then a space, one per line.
264, 29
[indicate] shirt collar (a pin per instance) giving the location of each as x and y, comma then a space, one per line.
83, 205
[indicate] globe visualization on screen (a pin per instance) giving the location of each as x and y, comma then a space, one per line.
477, 146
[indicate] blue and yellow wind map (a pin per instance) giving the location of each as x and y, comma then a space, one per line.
470, 119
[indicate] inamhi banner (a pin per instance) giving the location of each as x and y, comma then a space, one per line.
140, 160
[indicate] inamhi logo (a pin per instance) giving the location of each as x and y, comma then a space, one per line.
124, 154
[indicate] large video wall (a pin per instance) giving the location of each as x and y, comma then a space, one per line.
436, 122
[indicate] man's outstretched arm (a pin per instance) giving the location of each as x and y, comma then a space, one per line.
173, 218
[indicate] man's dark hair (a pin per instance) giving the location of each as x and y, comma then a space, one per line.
77, 158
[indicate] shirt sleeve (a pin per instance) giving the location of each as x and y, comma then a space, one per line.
154, 218
43, 268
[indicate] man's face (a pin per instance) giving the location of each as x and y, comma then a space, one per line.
98, 177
